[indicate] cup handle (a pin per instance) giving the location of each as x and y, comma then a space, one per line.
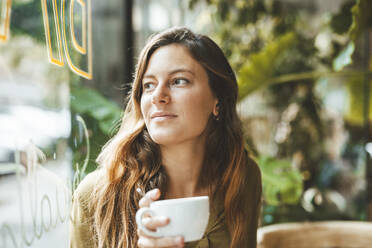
140, 225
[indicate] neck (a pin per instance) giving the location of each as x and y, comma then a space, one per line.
183, 163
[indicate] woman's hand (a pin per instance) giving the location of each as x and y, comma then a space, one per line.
154, 222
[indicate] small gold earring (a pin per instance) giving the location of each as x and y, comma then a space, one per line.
216, 111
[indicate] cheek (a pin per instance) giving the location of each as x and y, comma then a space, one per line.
199, 107
144, 106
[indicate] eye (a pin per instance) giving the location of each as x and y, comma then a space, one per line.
180, 81
148, 86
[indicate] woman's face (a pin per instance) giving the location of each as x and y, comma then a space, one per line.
176, 100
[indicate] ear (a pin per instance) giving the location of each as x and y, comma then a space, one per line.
216, 108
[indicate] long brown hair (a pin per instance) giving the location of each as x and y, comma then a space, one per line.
132, 160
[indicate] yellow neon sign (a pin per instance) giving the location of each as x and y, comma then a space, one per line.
85, 48
82, 49
61, 35
5, 20
52, 59
88, 39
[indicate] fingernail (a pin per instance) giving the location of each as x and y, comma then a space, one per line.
179, 240
154, 192
164, 219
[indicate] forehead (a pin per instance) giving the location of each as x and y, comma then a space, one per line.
172, 57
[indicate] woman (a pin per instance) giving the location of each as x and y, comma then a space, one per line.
180, 137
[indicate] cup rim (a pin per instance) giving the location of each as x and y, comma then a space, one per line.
179, 200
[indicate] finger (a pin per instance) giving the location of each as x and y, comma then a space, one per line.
160, 242
154, 222
140, 233
149, 197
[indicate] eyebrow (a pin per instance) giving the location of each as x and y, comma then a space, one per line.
171, 72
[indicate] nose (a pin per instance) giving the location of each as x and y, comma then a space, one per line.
160, 95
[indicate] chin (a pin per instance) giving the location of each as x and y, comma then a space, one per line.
164, 138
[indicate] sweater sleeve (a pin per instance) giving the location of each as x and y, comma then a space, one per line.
81, 224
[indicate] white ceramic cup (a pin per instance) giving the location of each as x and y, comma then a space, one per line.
188, 217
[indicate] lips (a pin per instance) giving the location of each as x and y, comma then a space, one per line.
162, 115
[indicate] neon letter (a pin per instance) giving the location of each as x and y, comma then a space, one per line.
52, 59
86, 47
4, 19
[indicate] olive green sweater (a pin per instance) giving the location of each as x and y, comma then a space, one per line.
216, 235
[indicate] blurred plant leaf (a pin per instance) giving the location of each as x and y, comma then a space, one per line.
257, 71
356, 106
362, 18
27, 19
344, 58
89, 101
341, 22
281, 182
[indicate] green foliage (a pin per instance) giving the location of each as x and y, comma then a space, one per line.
282, 184
341, 22
93, 104
27, 19
355, 114
260, 67
100, 115
283, 213
362, 18
344, 58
